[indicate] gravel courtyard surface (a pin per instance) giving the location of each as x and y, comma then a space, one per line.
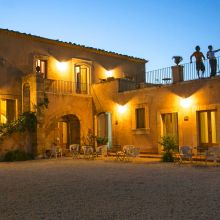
80, 189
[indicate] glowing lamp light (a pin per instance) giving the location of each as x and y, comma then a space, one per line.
109, 73
62, 66
185, 103
121, 109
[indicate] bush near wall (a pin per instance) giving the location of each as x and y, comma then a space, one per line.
26, 122
17, 155
19, 135
169, 148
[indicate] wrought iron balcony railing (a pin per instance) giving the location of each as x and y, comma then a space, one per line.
65, 87
164, 75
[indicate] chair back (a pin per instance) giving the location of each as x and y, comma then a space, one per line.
128, 148
87, 149
74, 147
131, 150
213, 151
186, 150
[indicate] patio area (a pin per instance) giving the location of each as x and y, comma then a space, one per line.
105, 189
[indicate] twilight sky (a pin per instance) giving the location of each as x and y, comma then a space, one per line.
152, 29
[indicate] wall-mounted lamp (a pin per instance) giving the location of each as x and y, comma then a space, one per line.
109, 73
185, 102
122, 109
62, 66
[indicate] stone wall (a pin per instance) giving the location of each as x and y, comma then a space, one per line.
203, 95
23, 141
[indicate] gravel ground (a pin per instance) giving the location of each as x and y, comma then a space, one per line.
80, 189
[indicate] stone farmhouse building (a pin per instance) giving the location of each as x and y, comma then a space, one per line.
106, 93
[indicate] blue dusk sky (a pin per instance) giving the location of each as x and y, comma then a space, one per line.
154, 30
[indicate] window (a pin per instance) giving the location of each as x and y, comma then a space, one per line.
7, 110
41, 67
81, 79
140, 117
170, 125
3, 118
207, 127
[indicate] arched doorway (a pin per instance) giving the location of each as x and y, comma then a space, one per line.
68, 130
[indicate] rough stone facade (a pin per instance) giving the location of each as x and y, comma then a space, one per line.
82, 97
158, 100
71, 110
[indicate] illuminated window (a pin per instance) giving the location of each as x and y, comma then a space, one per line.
3, 118
207, 127
42, 66
7, 110
140, 117
81, 73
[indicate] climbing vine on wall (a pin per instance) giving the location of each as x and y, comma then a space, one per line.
26, 122
42, 104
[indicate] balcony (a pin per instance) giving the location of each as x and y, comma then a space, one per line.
61, 87
165, 76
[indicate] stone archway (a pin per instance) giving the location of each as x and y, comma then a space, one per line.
69, 130
64, 130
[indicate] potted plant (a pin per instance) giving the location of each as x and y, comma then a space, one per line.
101, 140
177, 59
169, 147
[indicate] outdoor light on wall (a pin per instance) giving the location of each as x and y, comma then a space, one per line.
122, 109
109, 73
62, 66
185, 102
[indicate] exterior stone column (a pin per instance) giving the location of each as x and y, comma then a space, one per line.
177, 72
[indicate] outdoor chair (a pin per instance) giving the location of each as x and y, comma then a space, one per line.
212, 154
75, 150
88, 152
185, 153
56, 151
128, 153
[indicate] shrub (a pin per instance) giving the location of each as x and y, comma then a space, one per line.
168, 157
26, 122
101, 140
16, 155
170, 146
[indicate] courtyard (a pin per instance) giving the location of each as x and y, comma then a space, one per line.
98, 189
